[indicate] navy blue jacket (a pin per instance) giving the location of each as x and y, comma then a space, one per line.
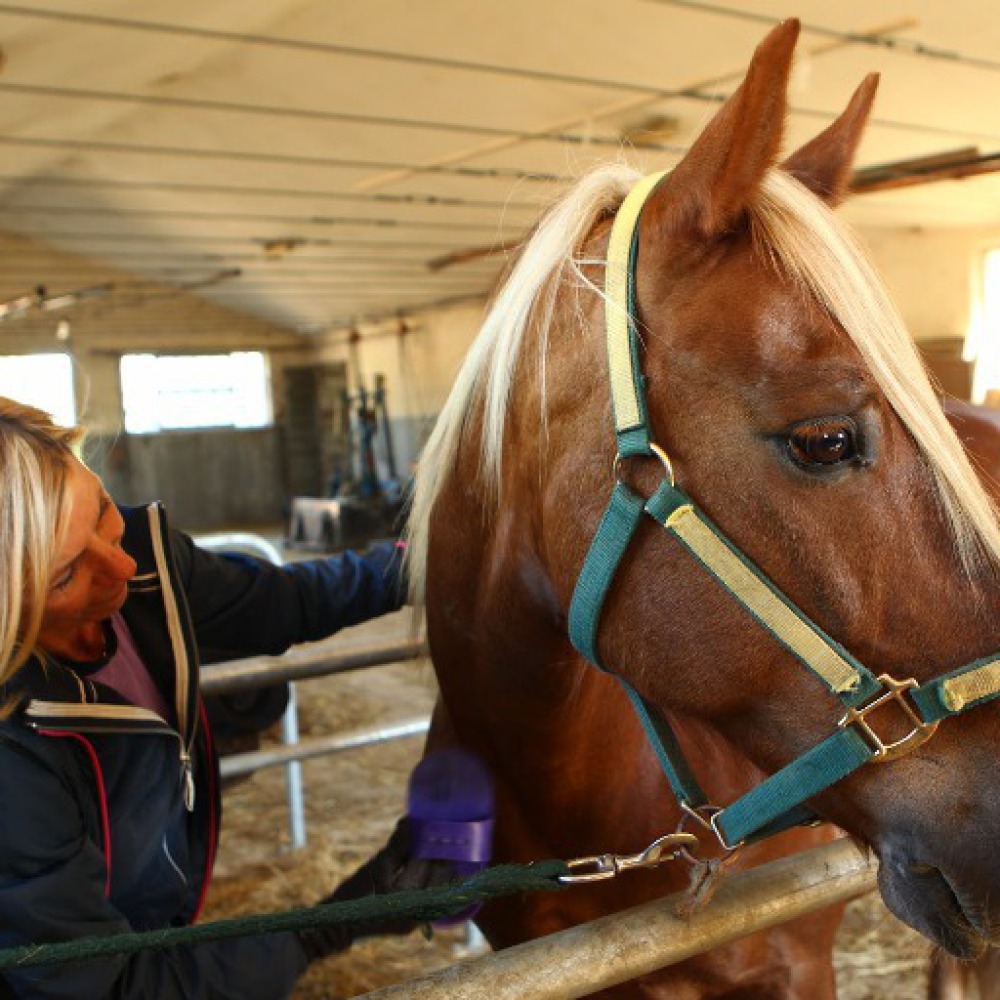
110, 814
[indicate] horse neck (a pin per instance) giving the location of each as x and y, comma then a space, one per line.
496, 621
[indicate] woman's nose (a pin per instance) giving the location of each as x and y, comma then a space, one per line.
116, 564
129, 565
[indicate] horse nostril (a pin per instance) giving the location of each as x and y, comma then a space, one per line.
918, 868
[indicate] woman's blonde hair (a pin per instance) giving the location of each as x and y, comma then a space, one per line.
35, 458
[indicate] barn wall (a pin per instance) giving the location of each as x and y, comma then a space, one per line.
208, 479
932, 275
419, 366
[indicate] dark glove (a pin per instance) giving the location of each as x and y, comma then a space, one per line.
392, 868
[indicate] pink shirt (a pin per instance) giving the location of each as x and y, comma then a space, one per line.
127, 674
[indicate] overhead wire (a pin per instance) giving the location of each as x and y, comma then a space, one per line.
695, 93
106, 211
903, 46
238, 239
305, 114
241, 191
282, 159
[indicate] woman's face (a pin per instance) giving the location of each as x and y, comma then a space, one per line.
89, 582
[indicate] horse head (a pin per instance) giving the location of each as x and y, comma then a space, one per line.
781, 387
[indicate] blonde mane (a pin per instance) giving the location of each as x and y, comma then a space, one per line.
808, 241
487, 373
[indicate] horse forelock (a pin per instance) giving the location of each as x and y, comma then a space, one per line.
485, 380
817, 248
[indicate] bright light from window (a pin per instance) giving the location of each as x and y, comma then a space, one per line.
982, 344
42, 380
177, 392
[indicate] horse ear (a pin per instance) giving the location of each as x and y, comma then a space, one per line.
718, 175
824, 164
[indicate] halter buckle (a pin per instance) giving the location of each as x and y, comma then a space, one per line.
922, 731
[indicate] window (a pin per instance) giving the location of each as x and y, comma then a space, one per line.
42, 380
983, 342
177, 392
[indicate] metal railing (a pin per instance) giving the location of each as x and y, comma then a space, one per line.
255, 760
259, 546
302, 662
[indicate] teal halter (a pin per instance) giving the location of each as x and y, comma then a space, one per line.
779, 801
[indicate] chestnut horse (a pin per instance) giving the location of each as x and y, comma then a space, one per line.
781, 389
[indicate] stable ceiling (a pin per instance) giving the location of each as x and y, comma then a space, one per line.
308, 162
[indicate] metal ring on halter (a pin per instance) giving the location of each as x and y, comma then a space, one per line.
660, 453
705, 817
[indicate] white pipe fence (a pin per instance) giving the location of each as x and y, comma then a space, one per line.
303, 662
246, 763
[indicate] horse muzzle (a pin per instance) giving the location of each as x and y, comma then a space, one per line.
932, 902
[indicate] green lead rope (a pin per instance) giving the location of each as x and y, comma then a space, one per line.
408, 904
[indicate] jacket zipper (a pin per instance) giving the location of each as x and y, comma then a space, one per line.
187, 776
48, 712
187, 726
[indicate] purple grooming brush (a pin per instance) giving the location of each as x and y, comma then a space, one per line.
450, 807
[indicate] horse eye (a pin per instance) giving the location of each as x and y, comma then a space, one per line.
825, 442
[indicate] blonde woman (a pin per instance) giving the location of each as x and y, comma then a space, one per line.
108, 779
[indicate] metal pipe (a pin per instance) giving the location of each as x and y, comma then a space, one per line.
297, 663
293, 772
614, 949
247, 763
240, 541
305, 661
